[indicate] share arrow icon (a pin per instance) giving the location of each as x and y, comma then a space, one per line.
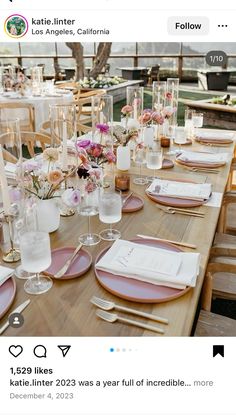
64, 349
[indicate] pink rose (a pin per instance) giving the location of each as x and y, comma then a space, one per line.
127, 109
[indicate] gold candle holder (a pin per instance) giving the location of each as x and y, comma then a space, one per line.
13, 255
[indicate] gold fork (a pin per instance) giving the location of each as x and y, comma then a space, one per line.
111, 318
109, 305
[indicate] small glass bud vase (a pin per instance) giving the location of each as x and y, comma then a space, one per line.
123, 157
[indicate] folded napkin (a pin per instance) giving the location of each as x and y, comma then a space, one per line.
198, 157
5, 273
214, 136
151, 264
184, 190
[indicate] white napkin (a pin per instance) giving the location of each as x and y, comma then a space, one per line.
198, 157
150, 264
203, 135
160, 187
5, 273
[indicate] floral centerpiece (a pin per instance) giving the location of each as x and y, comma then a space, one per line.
101, 82
43, 180
92, 157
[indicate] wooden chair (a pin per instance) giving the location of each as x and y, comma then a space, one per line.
227, 214
30, 139
211, 324
220, 278
27, 122
153, 74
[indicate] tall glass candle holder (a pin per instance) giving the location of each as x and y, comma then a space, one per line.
63, 131
134, 98
158, 95
1, 80
102, 119
172, 95
36, 80
10, 141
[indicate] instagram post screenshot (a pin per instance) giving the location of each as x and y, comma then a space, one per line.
117, 210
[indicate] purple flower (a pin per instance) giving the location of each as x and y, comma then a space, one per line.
103, 128
71, 197
83, 143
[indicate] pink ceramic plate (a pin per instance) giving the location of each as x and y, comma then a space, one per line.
200, 164
7, 295
134, 203
176, 202
188, 142
213, 141
78, 267
167, 164
134, 290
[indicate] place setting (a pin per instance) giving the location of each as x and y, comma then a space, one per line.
146, 270
178, 195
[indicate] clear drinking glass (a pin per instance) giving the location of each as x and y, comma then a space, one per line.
88, 208
180, 137
36, 257
197, 119
110, 211
140, 159
188, 123
154, 160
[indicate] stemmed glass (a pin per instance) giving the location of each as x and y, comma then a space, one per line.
89, 208
154, 160
140, 159
110, 208
36, 257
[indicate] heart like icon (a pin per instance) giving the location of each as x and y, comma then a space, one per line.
15, 350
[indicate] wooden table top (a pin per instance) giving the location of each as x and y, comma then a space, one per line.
66, 309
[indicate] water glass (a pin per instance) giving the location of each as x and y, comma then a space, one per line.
154, 160
180, 136
197, 119
110, 209
88, 208
36, 257
140, 159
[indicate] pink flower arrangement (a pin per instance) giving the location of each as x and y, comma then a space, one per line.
83, 143
168, 95
95, 150
127, 110
158, 118
103, 128
168, 111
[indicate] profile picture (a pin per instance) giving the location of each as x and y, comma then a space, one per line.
16, 26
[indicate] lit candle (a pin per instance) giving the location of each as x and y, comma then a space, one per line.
64, 147
5, 193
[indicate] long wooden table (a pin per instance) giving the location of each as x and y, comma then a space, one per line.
66, 309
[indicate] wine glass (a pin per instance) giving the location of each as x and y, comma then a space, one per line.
154, 160
140, 159
88, 208
36, 257
110, 208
